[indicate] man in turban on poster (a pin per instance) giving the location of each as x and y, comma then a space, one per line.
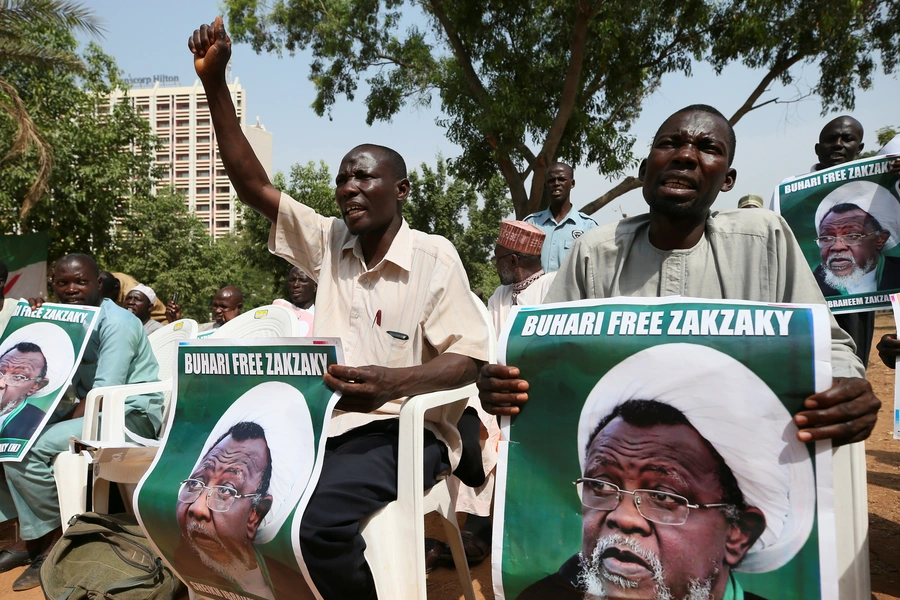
856, 223
671, 506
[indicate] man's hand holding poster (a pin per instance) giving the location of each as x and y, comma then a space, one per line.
39, 352
223, 500
847, 220
657, 457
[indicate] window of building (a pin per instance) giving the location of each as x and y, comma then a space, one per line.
203, 139
182, 157
222, 225
203, 156
162, 158
203, 190
221, 173
162, 124
203, 173
182, 174
182, 123
182, 140
162, 106
202, 122
163, 141
203, 104
222, 189
183, 106
222, 207
203, 208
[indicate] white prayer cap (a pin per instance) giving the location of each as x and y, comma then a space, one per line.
281, 410
56, 347
145, 290
736, 412
876, 200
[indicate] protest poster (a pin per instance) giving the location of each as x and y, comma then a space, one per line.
223, 499
39, 352
686, 406
847, 221
895, 304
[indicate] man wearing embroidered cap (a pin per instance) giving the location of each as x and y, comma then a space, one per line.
671, 505
517, 258
139, 301
855, 224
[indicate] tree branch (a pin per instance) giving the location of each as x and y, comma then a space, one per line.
776, 71
623, 187
583, 15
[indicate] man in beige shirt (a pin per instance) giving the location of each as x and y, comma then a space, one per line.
398, 298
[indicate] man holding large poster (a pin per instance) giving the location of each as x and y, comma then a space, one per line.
400, 301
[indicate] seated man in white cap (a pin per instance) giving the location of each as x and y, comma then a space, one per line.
855, 224
139, 301
671, 506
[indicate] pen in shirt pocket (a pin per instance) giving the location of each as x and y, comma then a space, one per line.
378, 318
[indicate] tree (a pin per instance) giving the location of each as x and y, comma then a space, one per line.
449, 207
309, 184
19, 20
94, 174
520, 83
525, 82
161, 244
840, 37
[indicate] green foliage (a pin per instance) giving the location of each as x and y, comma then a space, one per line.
884, 135
840, 37
441, 205
524, 82
161, 244
92, 177
566, 78
24, 27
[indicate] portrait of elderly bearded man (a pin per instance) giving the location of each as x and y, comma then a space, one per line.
23, 372
671, 506
855, 224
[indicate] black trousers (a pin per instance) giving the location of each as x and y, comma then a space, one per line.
861, 327
359, 476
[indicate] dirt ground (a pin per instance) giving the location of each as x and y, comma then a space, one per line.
883, 457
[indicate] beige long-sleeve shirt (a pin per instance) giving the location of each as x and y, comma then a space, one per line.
743, 255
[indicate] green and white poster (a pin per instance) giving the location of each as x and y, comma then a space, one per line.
39, 352
242, 451
656, 456
847, 221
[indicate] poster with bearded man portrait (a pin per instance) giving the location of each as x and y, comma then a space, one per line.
847, 221
657, 458
223, 499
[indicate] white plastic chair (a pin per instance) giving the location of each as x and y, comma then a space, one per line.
263, 322
71, 470
395, 535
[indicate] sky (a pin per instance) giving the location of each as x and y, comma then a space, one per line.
774, 142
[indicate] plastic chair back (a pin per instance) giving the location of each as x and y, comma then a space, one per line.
264, 322
165, 341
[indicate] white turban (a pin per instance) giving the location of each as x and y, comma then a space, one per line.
281, 411
736, 412
56, 347
145, 290
876, 200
